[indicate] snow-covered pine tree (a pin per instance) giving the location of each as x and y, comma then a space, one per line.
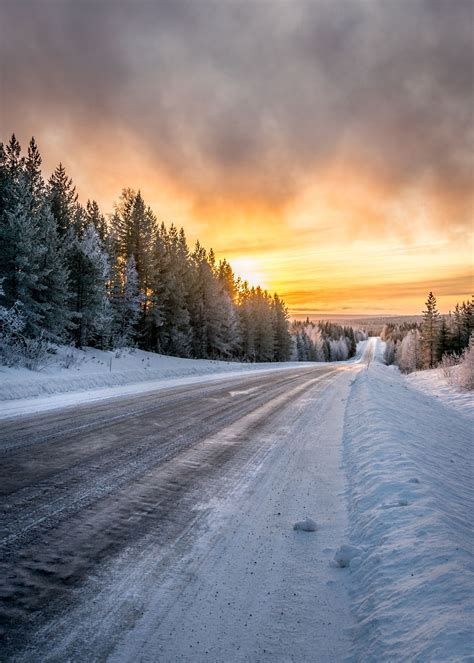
228, 294
170, 292
134, 226
247, 322
282, 338
389, 352
408, 353
11, 168
125, 300
21, 252
54, 294
444, 340
467, 322
430, 330
339, 349
143, 229
206, 313
53, 274
63, 200
89, 276
264, 335
94, 215
121, 225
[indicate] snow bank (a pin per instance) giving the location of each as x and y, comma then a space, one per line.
92, 369
94, 375
434, 383
409, 464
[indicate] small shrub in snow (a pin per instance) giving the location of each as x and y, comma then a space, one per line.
35, 353
17, 349
447, 363
306, 525
69, 360
12, 323
465, 376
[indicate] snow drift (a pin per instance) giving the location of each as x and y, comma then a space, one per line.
409, 463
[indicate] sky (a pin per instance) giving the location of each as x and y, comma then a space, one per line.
324, 147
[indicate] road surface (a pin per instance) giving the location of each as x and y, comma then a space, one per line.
159, 527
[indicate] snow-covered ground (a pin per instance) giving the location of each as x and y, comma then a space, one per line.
382, 463
409, 463
76, 376
436, 384
72, 369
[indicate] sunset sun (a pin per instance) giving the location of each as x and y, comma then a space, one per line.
248, 269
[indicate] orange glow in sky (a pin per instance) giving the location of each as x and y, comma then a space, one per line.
330, 162
344, 245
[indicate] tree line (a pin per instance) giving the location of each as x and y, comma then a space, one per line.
69, 275
419, 345
324, 341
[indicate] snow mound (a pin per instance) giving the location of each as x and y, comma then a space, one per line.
409, 463
306, 525
345, 554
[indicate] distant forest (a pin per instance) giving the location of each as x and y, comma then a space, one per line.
69, 275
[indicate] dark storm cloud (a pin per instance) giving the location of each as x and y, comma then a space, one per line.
253, 98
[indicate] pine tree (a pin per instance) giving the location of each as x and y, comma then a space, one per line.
134, 226
430, 330
408, 352
121, 223
89, 276
21, 256
264, 335
170, 296
66, 271
467, 322
11, 170
125, 302
53, 274
282, 338
444, 340
247, 322
93, 215
34, 178
208, 338
63, 200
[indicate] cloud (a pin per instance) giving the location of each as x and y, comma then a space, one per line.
253, 101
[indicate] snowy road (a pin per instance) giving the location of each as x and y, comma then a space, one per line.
159, 527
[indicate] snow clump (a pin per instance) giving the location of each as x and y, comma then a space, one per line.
345, 554
306, 525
